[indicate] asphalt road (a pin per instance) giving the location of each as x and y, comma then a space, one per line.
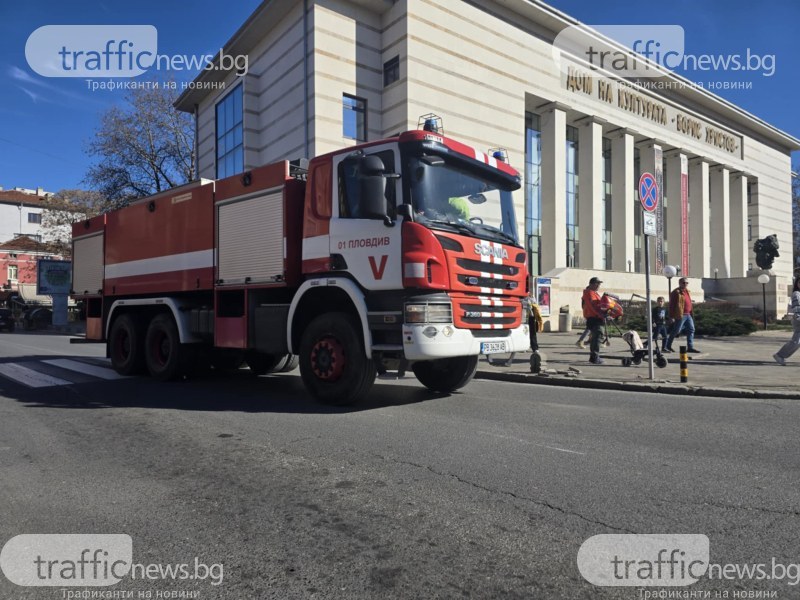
487, 493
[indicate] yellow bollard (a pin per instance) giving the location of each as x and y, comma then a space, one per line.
684, 365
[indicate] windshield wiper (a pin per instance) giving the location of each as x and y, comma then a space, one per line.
462, 227
495, 231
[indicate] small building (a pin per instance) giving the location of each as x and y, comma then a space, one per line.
325, 74
18, 258
21, 212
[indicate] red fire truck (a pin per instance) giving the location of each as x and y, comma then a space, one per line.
400, 252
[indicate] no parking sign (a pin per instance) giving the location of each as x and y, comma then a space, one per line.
648, 192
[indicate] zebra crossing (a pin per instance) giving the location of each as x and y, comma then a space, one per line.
44, 373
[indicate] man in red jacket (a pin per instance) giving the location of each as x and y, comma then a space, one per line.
595, 318
680, 310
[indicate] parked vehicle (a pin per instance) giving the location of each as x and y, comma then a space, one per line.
399, 251
7, 322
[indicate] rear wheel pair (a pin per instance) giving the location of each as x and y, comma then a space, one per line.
159, 348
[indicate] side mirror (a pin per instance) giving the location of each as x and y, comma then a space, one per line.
372, 184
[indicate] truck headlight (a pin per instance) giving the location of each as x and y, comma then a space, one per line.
429, 313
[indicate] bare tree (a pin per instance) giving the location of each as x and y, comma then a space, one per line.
143, 148
63, 209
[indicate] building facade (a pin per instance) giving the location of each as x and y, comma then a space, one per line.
21, 213
325, 74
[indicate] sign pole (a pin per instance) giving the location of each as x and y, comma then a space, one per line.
649, 193
650, 370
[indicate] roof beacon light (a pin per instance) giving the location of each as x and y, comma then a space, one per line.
432, 123
499, 154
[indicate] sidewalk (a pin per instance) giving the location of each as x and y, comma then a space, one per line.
738, 367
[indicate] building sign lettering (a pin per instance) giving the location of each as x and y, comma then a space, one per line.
629, 99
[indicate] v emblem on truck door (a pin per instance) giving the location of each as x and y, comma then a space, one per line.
377, 271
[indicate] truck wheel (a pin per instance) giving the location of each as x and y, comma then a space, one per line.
333, 364
261, 364
125, 345
292, 360
446, 374
162, 349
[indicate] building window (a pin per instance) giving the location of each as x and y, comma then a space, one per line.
605, 212
638, 238
230, 129
749, 230
572, 196
13, 272
35, 218
354, 118
533, 191
391, 71
665, 208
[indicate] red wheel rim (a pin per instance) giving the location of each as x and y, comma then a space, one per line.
122, 345
328, 359
160, 347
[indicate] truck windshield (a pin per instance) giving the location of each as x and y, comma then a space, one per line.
446, 194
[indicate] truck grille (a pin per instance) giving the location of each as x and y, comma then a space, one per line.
484, 312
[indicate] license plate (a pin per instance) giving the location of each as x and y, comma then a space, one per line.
493, 347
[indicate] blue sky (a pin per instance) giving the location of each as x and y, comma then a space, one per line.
45, 122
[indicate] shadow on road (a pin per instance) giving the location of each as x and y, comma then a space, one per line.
238, 391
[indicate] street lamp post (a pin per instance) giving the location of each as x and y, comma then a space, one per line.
669, 272
763, 279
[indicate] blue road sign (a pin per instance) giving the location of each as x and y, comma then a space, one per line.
648, 192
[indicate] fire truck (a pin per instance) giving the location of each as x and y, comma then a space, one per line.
393, 254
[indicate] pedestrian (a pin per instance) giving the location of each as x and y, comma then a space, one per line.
660, 322
535, 325
595, 318
793, 344
680, 311
582, 337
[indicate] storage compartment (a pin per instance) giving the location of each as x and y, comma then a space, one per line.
87, 261
250, 239
162, 244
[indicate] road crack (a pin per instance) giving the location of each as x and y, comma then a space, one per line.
541, 503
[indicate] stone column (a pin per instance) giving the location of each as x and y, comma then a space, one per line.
740, 246
554, 187
720, 226
673, 194
590, 197
622, 185
699, 252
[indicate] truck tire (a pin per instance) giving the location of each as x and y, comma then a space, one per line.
292, 360
261, 364
125, 345
333, 364
446, 374
162, 349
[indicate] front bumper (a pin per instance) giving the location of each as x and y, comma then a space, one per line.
427, 341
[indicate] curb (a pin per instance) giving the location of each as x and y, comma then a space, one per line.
642, 387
